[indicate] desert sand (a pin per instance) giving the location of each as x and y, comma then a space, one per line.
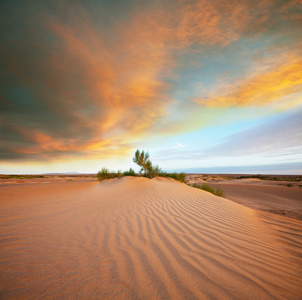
136, 238
277, 197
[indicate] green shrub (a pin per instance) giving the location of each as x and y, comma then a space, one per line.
154, 171
103, 174
106, 174
142, 159
207, 188
219, 192
182, 177
129, 173
163, 174
173, 175
177, 176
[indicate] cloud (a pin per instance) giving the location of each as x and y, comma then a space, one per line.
261, 88
280, 137
215, 22
284, 168
79, 95
276, 142
94, 79
178, 146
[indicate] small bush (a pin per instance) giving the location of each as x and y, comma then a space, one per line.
207, 188
163, 174
103, 174
142, 159
106, 174
182, 177
177, 176
129, 173
155, 171
173, 175
219, 192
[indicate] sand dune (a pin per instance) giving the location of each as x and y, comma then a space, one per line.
266, 196
274, 196
135, 238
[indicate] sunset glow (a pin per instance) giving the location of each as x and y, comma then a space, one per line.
204, 86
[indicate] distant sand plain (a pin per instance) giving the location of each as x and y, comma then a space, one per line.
136, 238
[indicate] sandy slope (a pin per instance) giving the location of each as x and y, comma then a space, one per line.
135, 238
266, 196
278, 197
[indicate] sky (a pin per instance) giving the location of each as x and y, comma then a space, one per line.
209, 85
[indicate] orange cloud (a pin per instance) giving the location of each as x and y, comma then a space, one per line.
96, 90
124, 82
201, 22
260, 89
211, 22
292, 10
45, 146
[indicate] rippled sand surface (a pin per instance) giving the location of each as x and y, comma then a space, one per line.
135, 238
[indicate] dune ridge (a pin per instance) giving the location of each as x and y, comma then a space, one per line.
135, 238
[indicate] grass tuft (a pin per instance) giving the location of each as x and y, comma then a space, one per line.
219, 192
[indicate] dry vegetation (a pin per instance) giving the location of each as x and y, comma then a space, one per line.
141, 158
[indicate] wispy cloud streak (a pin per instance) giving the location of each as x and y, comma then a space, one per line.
281, 137
283, 79
92, 80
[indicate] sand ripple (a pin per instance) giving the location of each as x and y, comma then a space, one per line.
136, 238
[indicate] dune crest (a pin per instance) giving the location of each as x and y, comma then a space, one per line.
136, 238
